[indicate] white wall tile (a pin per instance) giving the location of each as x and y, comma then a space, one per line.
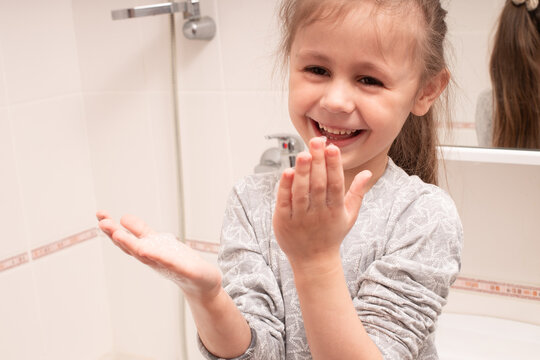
14, 239
252, 116
20, 329
160, 115
502, 307
199, 61
155, 43
73, 303
206, 163
123, 160
52, 159
470, 73
478, 15
110, 54
3, 92
498, 205
249, 37
39, 60
144, 307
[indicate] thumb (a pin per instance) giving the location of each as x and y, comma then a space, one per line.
355, 195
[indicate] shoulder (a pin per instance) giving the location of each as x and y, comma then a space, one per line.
484, 117
255, 188
253, 198
406, 189
421, 210
484, 98
414, 201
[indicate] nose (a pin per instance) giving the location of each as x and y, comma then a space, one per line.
338, 97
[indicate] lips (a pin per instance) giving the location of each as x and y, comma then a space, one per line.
336, 134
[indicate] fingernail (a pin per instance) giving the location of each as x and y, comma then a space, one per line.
324, 139
332, 149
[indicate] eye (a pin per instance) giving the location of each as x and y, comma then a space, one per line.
370, 81
316, 70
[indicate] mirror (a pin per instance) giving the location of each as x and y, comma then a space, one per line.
472, 27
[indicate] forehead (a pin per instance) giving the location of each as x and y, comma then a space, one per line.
384, 31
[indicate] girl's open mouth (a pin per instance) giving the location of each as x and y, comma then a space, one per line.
335, 134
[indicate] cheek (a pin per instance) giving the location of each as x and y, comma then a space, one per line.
386, 112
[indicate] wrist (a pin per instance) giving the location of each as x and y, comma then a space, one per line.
207, 299
311, 268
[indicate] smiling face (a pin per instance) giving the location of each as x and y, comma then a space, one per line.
356, 80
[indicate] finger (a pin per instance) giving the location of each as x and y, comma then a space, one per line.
110, 227
125, 241
136, 226
284, 193
353, 199
334, 173
317, 187
300, 185
103, 214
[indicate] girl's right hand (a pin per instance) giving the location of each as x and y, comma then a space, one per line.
198, 279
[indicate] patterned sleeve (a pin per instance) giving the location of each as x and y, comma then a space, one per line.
249, 280
402, 293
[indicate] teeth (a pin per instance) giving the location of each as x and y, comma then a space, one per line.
336, 131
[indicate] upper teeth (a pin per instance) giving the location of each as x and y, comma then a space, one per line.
336, 131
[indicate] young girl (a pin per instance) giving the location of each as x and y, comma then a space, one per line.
509, 115
346, 256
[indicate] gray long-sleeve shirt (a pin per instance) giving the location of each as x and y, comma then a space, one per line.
399, 260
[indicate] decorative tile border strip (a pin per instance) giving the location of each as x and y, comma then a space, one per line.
203, 246
14, 261
460, 125
496, 288
463, 125
48, 249
461, 283
64, 243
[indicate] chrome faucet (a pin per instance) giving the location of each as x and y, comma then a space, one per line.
283, 156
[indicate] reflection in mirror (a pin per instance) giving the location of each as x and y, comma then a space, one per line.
473, 40
508, 114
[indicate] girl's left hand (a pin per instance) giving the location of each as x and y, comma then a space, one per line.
313, 214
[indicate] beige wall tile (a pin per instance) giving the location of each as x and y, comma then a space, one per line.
39, 60
14, 240
53, 163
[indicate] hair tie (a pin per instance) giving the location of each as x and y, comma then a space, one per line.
530, 4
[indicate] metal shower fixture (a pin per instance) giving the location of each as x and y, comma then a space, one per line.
196, 27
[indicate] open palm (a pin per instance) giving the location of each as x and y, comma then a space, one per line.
164, 253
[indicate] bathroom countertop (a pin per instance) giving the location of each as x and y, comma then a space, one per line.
475, 337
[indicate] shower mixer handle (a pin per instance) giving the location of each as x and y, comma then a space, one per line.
190, 8
196, 27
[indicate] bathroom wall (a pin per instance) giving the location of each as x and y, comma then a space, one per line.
499, 204
85, 123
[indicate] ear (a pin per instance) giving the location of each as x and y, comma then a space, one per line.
429, 92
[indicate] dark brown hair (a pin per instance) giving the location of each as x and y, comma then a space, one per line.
515, 76
415, 148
